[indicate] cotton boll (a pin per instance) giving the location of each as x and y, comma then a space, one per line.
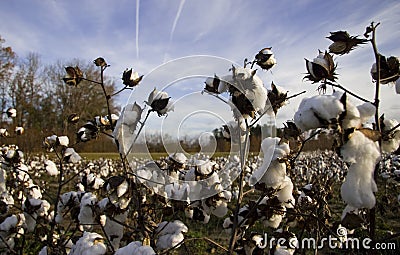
305, 118
349, 209
71, 156
89, 244
103, 220
367, 110
168, 241
135, 248
317, 111
285, 193
34, 191
274, 221
63, 140
171, 227
86, 214
8, 223
51, 168
170, 234
272, 173
359, 186
392, 143
275, 174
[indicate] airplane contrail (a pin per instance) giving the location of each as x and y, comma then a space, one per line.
137, 28
178, 14
171, 35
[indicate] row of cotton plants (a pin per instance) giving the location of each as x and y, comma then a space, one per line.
68, 205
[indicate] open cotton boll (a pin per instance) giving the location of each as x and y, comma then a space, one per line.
258, 96
86, 214
274, 221
285, 194
355, 115
8, 223
135, 248
51, 168
320, 60
170, 234
122, 188
63, 140
359, 147
275, 174
358, 191
168, 241
171, 227
221, 209
391, 144
367, 110
89, 244
178, 191
359, 187
326, 108
272, 173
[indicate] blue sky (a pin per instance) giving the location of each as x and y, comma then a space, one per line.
145, 34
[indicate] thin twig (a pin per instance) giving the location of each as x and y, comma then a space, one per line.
271, 107
348, 91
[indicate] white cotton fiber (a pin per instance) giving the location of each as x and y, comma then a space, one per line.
359, 186
271, 172
393, 143
367, 110
285, 194
315, 110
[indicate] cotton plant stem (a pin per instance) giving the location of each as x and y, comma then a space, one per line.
336, 85
242, 151
58, 194
372, 212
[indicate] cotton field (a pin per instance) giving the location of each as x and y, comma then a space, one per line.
280, 200
96, 210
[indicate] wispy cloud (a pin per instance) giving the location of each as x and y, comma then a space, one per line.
137, 28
